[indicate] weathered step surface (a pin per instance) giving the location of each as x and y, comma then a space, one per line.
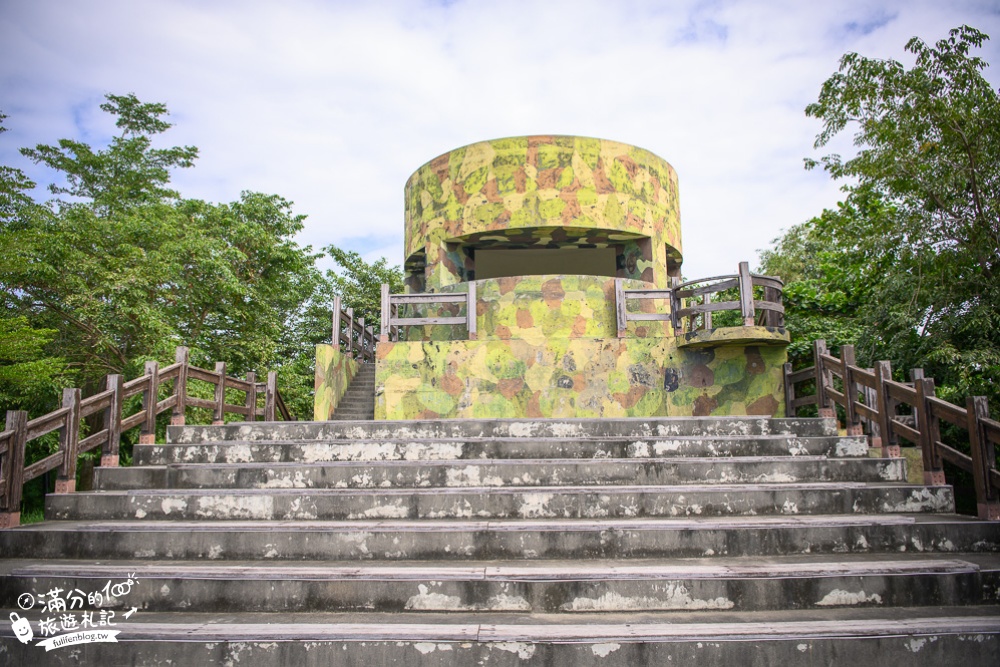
500, 428
893, 637
614, 542
447, 540
508, 472
539, 587
504, 502
492, 447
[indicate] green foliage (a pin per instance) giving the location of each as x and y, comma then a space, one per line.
360, 284
28, 377
908, 265
125, 269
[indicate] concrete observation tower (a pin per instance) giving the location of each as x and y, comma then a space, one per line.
543, 280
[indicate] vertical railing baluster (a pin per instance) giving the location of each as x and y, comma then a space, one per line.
886, 410
113, 421
746, 295
930, 432
847, 365
251, 396
13, 468
219, 416
69, 440
182, 356
471, 311
983, 458
150, 397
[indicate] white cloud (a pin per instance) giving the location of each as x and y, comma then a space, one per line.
334, 104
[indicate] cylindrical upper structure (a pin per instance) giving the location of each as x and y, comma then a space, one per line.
542, 205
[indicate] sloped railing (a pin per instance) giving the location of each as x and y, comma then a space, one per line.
109, 403
351, 336
393, 323
870, 397
691, 304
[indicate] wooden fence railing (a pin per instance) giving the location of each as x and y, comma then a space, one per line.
109, 403
869, 396
691, 304
392, 322
351, 335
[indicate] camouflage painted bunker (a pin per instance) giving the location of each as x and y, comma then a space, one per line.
543, 280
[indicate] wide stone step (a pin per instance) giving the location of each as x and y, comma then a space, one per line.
518, 428
533, 539
508, 472
404, 448
539, 587
500, 503
898, 637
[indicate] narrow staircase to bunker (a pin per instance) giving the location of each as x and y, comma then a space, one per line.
358, 402
713, 540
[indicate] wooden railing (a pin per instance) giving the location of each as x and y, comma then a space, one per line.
691, 305
392, 323
350, 335
109, 403
869, 396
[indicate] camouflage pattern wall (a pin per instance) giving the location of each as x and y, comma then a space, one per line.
548, 347
334, 372
540, 191
575, 377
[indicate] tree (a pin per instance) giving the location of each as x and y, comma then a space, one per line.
359, 283
915, 245
123, 269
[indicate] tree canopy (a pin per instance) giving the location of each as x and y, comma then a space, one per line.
118, 268
907, 266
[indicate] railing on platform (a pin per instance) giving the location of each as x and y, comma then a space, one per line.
691, 305
109, 403
869, 396
350, 335
392, 322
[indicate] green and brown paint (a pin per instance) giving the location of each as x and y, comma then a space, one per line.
334, 372
536, 192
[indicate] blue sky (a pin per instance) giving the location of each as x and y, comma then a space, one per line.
334, 104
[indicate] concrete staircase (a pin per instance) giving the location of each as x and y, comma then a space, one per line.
358, 401
744, 541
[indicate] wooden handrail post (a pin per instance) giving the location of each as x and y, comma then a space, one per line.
69, 439
930, 432
182, 357
13, 465
471, 311
336, 323
773, 295
384, 334
746, 295
707, 315
675, 305
113, 421
252, 397
350, 332
983, 458
789, 391
620, 308
219, 416
150, 397
823, 380
270, 395
847, 364
886, 411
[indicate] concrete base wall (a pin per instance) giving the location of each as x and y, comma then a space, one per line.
334, 372
576, 377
